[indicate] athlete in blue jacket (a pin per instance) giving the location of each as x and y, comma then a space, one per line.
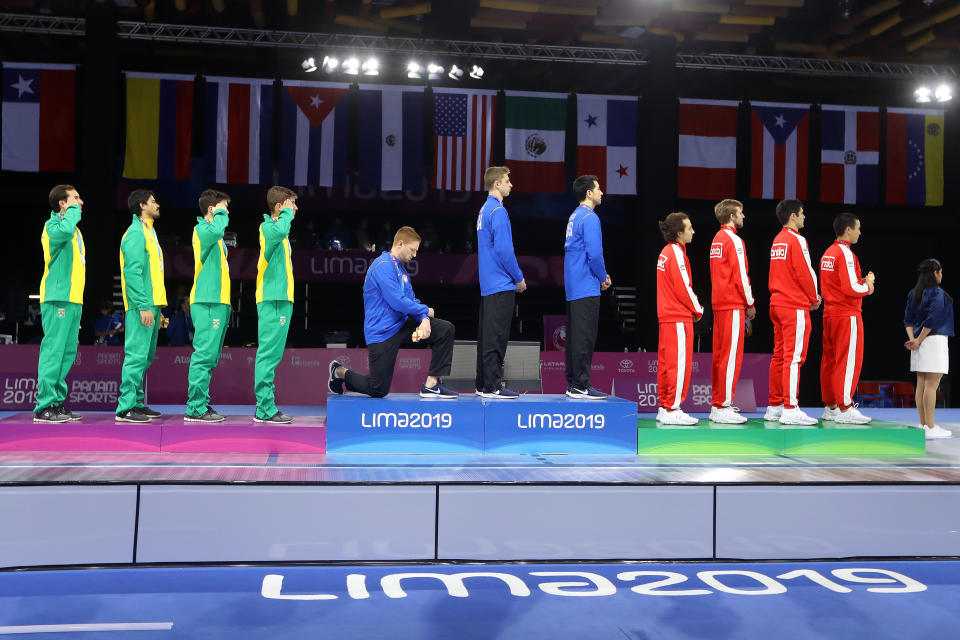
393, 316
584, 277
500, 281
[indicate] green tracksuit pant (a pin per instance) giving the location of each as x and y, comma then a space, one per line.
58, 350
274, 323
210, 322
139, 348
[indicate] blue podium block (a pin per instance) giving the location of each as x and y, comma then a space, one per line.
542, 423
404, 423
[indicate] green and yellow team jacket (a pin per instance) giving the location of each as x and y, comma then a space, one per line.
64, 260
274, 268
211, 274
141, 267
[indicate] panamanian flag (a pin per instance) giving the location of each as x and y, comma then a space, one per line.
39, 104
390, 137
314, 122
607, 141
850, 155
779, 150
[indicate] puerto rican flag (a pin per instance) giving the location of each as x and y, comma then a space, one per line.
39, 106
607, 141
239, 130
313, 139
850, 155
779, 150
390, 140
707, 154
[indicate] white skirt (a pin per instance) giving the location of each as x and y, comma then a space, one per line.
933, 356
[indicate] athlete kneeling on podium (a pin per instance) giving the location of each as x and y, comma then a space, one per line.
389, 311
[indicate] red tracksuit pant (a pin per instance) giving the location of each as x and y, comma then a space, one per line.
842, 357
791, 334
674, 362
728, 326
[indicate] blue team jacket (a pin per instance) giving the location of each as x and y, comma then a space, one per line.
388, 299
935, 311
583, 267
497, 263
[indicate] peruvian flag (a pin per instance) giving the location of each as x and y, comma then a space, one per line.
707, 159
850, 155
313, 133
39, 103
778, 156
607, 141
239, 128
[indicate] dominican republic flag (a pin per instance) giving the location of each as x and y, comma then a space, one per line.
778, 158
239, 130
39, 104
462, 137
159, 126
915, 156
850, 155
536, 135
313, 133
707, 159
607, 141
391, 137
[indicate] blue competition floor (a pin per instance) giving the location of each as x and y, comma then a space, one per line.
864, 599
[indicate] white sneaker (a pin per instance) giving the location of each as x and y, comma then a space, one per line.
687, 419
830, 414
676, 417
773, 413
852, 416
661, 412
937, 432
797, 417
726, 415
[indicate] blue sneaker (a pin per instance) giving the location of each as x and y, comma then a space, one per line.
595, 394
335, 384
502, 393
438, 391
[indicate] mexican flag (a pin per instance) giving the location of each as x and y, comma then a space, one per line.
536, 138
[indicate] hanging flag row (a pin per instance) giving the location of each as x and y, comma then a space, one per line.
780, 146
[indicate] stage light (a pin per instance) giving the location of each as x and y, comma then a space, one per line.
943, 93
351, 66
371, 67
330, 64
455, 73
309, 65
922, 94
413, 69
476, 72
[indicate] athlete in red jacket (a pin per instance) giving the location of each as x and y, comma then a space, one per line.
843, 292
793, 295
732, 300
677, 309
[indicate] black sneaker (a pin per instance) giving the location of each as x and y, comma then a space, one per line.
438, 391
51, 414
208, 416
215, 412
502, 394
73, 417
278, 418
132, 415
150, 413
578, 394
335, 383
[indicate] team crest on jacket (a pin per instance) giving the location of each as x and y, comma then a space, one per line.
61, 313
716, 250
283, 320
778, 251
826, 263
662, 263
216, 323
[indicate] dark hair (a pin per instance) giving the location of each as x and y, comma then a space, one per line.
785, 208
926, 280
59, 193
843, 222
583, 184
278, 195
672, 225
137, 198
210, 198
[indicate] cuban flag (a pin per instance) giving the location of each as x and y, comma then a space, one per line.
239, 130
390, 138
779, 140
313, 133
607, 141
39, 105
850, 155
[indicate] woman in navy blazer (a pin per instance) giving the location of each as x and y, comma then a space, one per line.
928, 320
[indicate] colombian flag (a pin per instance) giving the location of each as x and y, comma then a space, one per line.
915, 157
159, 126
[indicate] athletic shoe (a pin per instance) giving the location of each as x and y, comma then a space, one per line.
773, 413
595, 394
334, 382
278, 418
796, 416
502, 394
677, 417
830, 415
438, 391
852, 416
133, 415
150, 413
936, 432
71, 416
208, 416
51, 414
577, 394
726, 415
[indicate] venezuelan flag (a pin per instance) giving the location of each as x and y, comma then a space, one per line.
159, 126
915, 157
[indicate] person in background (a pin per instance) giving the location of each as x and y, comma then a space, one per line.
109, 326
180, 329
363, 236
337, 237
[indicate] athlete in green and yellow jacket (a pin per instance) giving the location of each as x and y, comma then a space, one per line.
274, 300
209, 303
141, 277
61, 302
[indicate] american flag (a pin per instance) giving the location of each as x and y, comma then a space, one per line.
462, 138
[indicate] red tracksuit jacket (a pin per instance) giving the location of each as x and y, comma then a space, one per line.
793, 284
729, 271
676, 301
840, 281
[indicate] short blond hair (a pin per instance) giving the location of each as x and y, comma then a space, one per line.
277, 195
725, 209
493, 175
406, 235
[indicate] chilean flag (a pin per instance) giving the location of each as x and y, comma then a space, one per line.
239, 130
778, 140
39, 104
313, 133
607, 141
390, 141
850, 155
